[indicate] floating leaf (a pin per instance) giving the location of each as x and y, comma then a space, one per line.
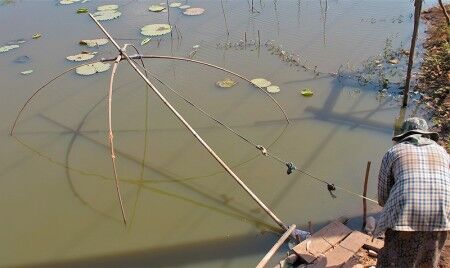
226, 83
81, 57
94, 42
27, 72
156, 29
184, 7
175, 4
107, 7
84, 1
107, 15
194, 11
273, 89
156, 8
82, 10
306, 92
8, 48
67, 2
21, 41
261, 82
93, 68
145, 41
37, 35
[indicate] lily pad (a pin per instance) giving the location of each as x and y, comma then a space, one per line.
273, 89
175, 4
145, 41
94, 42
184, 7
8, 48
306, 92
156, 8
194, 11
107, 7
261, 82
226, 83
93, 68
107, 15
82, 10
27, 72
37, 35
80, 57
67, 2
156, 29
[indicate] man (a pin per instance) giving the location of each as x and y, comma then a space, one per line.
414, 189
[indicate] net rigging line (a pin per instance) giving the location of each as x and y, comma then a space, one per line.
291, 167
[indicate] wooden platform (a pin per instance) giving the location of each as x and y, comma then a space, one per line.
334, 245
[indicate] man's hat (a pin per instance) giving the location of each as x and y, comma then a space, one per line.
415, 125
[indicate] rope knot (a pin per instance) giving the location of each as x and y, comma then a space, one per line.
290, 167
262, 149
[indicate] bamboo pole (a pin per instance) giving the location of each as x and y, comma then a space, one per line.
111, 138
192, 130
366, 180
417, 10
275, 247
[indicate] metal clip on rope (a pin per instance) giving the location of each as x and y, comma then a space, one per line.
290, 167
331, 188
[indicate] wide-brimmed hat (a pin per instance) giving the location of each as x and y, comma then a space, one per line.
415, 125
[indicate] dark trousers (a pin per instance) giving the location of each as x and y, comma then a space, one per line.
411, 249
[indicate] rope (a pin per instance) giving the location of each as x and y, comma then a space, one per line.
331, 187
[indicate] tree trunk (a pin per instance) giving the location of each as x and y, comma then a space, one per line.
417, 10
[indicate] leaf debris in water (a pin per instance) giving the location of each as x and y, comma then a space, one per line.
156, 8
273, 89
175, 4
261, 82
27, 72
145, 41
156, 29
8, 48
82, 10
81, 57
67, 2
226, 83
306, 92
37, 35
90, 69
94, 42
194, 11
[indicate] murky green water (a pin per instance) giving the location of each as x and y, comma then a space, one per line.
57, 195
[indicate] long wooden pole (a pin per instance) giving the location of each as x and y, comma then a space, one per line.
188, 126
366, 180
275, 247
417, 10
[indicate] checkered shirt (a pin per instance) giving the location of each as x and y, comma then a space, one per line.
414, 188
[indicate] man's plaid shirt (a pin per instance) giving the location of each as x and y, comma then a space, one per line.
414, 188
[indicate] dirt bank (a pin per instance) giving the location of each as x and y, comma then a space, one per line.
434, 77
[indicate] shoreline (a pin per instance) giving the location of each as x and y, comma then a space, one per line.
433, 79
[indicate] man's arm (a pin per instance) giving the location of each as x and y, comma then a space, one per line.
385, 179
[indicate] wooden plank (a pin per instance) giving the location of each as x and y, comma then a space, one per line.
343, 251
321, 241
